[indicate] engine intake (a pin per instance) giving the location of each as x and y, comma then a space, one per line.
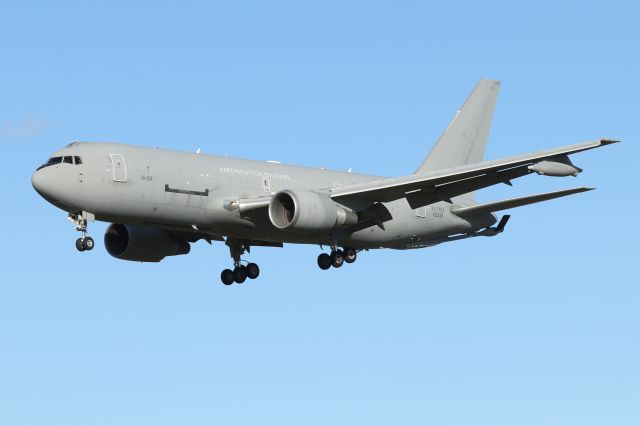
128, 242
306, 211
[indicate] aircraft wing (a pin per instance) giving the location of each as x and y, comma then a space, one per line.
442, 185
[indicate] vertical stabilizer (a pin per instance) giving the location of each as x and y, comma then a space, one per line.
465, 139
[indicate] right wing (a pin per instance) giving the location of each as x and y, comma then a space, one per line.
442, 185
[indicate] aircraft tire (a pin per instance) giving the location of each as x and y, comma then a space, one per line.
88, 243
324, 261
337, 259
350, 255
253, 271
227, 277
240, 274
79, 244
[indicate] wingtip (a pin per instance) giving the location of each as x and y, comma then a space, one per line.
606, 141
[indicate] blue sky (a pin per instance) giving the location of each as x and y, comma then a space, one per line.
536, 327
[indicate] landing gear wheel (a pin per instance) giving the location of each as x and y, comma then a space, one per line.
80, 245
324, 261
87, 243
350, 255
337, 259
227, 277
240, 274
252, 271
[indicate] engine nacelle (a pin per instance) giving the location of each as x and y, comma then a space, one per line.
306, 211
128, 242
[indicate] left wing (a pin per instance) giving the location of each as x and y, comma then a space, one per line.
442, 185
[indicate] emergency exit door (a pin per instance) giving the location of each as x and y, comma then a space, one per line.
119, 168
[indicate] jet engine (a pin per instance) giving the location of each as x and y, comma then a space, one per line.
128, 242
306, 211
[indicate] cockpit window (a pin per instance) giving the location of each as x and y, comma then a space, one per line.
52, 161
71, 159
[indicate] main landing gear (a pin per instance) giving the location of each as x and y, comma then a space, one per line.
337, 258
240, 272
84, 243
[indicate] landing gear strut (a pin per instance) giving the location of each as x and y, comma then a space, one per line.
240, 272
80, 221
337, 258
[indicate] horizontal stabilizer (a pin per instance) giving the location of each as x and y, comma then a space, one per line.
513, 202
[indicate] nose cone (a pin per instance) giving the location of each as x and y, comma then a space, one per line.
50, 185
36, 181
43, 183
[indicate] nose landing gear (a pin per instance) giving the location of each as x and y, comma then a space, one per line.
84, 243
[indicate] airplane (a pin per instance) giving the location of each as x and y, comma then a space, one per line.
160, 201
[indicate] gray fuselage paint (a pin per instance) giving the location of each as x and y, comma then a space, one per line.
177, 190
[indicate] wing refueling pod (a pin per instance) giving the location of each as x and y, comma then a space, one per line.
559, 166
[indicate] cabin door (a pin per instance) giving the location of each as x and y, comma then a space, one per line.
119, 168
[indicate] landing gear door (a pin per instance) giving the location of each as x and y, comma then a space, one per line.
119, 168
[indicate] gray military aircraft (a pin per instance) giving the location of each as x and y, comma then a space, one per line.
159, 201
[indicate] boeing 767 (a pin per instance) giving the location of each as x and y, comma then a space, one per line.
160, 201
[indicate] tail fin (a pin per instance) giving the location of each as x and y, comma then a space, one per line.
465, 139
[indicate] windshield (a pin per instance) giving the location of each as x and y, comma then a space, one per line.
57, 160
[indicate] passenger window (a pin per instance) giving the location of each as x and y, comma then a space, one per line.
68, 160
78, 160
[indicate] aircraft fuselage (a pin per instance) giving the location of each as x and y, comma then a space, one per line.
192, 193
